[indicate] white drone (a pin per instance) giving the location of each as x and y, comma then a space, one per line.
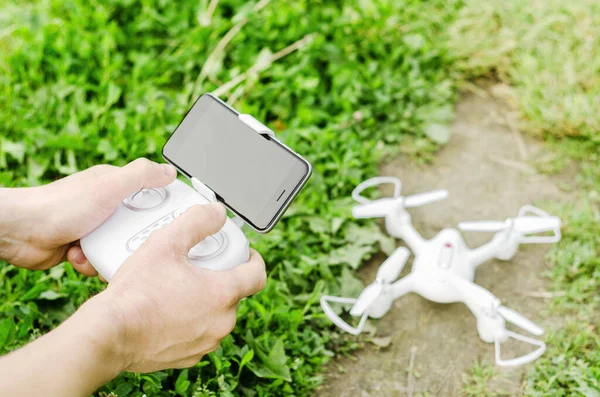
444, 267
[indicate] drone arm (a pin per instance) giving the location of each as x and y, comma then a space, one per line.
473, 295
413, 239
403, 286
402, 228
487, 251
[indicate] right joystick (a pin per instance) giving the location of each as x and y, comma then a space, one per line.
209, 247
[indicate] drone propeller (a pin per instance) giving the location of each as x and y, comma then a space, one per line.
522, 224
419, 199
388, 272
483, 226
519, 320
376, 209
391, 268
533, 224
366, 298
382, 207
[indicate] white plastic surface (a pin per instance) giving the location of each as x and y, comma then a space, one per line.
378, 180
376, 209
444, 267
419, 199
520, 321
388, 272
256, 125
337, 319
525, 359
146, 199
366, 298
108, 246
391, 268
390, 205
523, 226
554, 226
204, 190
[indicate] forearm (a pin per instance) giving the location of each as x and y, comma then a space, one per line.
12, 218
73, 360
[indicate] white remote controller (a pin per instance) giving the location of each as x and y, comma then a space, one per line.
109, 245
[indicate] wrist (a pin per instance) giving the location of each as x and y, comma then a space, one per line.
82, 354
11, 217
102, 329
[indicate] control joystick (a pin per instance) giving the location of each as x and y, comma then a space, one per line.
146, 199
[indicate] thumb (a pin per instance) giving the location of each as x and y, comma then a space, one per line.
194, 225
115, 185
248, 278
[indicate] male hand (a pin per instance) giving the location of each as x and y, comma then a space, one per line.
169, 312
159, 311
40, 226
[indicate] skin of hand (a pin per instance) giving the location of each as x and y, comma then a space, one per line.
41, 226
195, 306
159, 311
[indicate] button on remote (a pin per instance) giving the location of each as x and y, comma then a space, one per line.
147, 199
136, 241
178, 212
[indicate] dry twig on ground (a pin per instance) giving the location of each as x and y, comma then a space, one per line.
411, 377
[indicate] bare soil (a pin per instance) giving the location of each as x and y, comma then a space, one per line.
487, 168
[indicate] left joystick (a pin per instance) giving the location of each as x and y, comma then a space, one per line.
147, 199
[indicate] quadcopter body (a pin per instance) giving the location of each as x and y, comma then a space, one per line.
444, 267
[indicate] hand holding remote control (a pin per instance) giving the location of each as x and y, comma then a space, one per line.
42, 225
159, 312
188, 308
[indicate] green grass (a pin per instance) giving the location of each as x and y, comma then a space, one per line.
546, 52
84, 83
88, 82
571, 365
477, 381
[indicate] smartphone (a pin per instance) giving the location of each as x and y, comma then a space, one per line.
254, 175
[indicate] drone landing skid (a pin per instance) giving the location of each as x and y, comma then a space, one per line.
525, 359
337, 320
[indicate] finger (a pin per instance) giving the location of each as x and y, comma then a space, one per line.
193, 226
91, 172
139, 174
249, 278
189, 362
77, 258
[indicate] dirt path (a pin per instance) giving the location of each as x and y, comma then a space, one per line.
485, 169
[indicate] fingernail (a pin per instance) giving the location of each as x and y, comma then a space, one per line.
169, 170
219, 208
78, 257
